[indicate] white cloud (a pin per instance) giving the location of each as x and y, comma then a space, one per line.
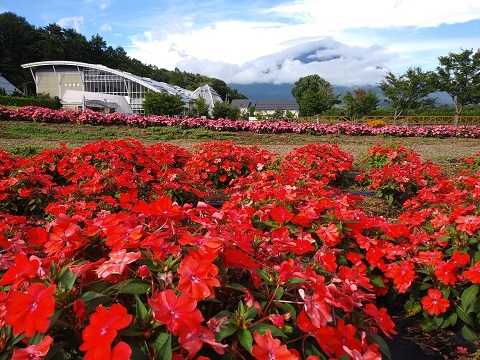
75, 22
104, 5
106, 27
374, 33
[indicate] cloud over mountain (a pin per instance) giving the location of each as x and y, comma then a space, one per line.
336, 62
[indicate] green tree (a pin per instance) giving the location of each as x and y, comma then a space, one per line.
97, 50
225, 111
234, 113
277, 114
314, 95
458, 76
198, 107
359, 103
163, 103
408, 91
19, 44
289, 114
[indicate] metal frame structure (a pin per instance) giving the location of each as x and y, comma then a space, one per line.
95, 78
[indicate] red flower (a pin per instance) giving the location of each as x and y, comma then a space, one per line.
178, 314
317, 309
30, 312
117, 263
193, 341
434, 303
469, 224
80, 309
99, 335
329, 234
121, 351
281, 215
382, 319
198, 278
268, 348
446, 272
161, 207
473, 273
23, 269
460, 259
33, 352
402, 275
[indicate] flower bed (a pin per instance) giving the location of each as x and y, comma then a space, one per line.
31, 113
110, 251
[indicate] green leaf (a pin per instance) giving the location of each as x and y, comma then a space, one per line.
431, 324
262, 329
225, 331
163, 344
412, 307
251, 313
264, 275
140, 310
246, 339
462, 314
469, 334
236, 286
132, 287
241, 309
88, 296
66, 279
279, 293
376, 281
288, 308
469, 296
294, 281
452, 319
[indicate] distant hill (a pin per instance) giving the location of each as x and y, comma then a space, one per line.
268, 91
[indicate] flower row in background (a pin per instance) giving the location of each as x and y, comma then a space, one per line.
37, 114
110, 251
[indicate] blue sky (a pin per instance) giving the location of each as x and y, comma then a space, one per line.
261, 41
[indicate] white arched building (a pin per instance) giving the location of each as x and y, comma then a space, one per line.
80, 85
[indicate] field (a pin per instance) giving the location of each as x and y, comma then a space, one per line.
227, 249
444, 152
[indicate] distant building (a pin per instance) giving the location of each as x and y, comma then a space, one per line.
242, 104
80, 85
7, 86
268, 107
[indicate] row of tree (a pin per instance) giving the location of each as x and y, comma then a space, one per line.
458, 75
22, 43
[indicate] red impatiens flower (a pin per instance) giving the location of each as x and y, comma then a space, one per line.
193, 340
446, 272
198, 278
473, 273
23, 269
469, 224
117, 263
382, 319
329, 234
30, 312
80, 309
33, 352
317, 308
178, 314
99, 335
434, 302
402, 275
268, 348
